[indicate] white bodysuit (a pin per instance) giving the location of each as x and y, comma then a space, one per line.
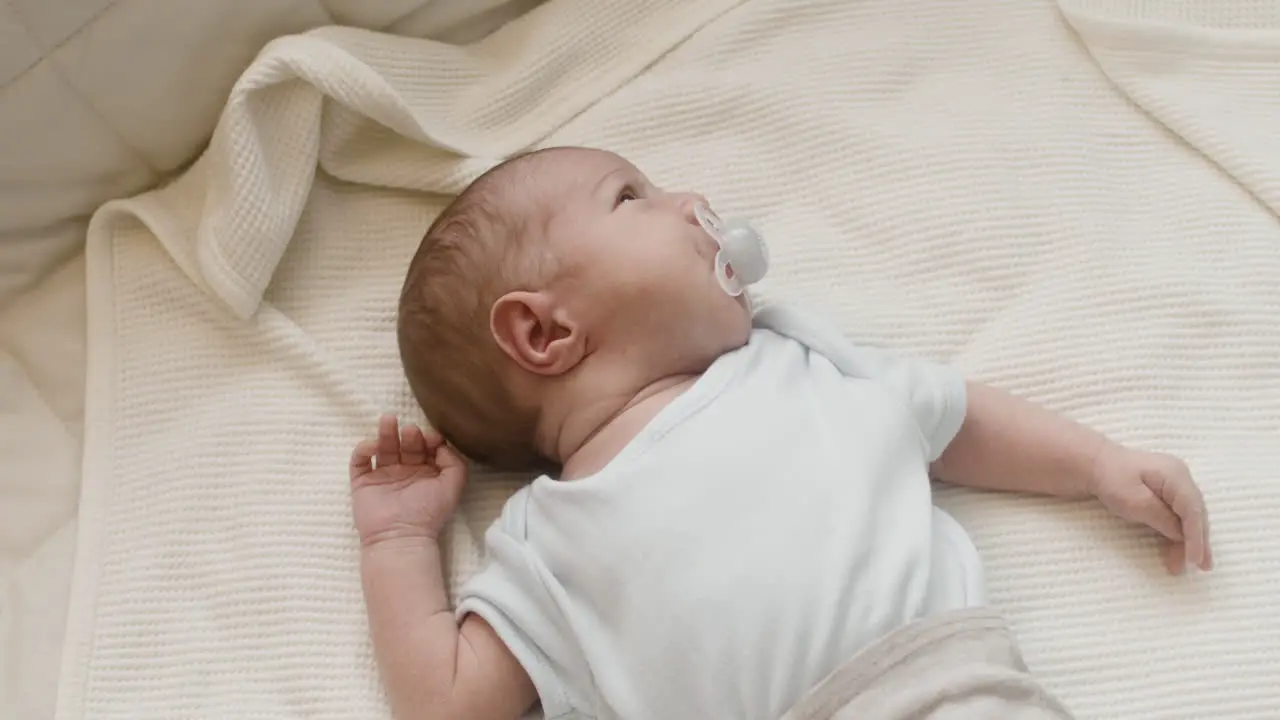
765, 526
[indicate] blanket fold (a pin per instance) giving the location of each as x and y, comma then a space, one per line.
348, 100
1224, 98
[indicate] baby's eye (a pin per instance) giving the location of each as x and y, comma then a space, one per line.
626, 194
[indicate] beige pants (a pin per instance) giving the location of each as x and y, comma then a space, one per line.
963, 665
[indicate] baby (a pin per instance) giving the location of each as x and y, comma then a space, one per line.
735, 504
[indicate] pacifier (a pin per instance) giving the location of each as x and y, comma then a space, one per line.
743, 258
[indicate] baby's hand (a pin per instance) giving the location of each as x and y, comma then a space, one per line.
413, 491
1156, 490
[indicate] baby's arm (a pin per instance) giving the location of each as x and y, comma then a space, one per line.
432, 667
1009, 444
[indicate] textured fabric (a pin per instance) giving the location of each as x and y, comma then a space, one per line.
960, 665
1082, 211
105, 98
666, 584
42, 359
99, 99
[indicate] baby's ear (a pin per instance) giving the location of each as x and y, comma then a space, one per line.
535, 333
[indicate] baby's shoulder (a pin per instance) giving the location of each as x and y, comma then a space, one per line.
513, 514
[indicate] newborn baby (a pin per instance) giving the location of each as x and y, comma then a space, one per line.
734, 504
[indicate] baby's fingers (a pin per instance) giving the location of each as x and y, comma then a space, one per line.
1203, 549
1197, 531
1152, 511
1175, 557
432, 439
413, 447
1171, 481
362, 458
1208, 548
1197, 549
447, 459
1179, 491
388, 441
453, 471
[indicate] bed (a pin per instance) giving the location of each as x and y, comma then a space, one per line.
1076, 200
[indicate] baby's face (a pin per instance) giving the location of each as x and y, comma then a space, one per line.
639, 264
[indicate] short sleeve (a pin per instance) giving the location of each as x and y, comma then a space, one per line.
933, 393
510, 595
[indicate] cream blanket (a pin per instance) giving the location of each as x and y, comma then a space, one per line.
1077, 203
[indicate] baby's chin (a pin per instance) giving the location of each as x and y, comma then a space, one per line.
706, 333
737, 322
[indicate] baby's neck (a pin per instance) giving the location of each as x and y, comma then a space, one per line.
588, 434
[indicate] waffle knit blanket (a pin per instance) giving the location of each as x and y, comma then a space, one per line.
1075, 201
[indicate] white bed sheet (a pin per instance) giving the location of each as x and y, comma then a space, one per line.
42, 363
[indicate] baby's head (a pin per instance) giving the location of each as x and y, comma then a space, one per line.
559, 277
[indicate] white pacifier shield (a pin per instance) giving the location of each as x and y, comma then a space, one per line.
743, 258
